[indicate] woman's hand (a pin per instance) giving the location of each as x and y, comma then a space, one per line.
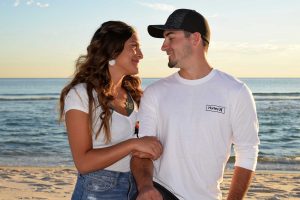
147, 147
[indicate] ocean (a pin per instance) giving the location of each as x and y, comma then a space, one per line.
30, 134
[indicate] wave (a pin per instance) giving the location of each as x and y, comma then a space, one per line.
31, 94
30, 98
276, 96
288, 160
280, 160
255, 94
294, 94
55, 96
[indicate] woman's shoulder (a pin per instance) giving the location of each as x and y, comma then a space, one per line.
80, 87
78, 90
77, 98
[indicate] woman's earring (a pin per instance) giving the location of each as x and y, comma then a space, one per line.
112, 62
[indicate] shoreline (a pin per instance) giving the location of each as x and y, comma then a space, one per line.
33, 182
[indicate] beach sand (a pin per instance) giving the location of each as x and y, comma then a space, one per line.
58, 183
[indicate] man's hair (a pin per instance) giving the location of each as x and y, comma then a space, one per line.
188, 34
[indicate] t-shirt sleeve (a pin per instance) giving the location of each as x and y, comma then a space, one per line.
147, 114
77, 99
245, 129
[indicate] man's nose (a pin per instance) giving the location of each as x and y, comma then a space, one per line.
164, 46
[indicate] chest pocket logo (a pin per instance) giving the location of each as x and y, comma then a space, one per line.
214, 108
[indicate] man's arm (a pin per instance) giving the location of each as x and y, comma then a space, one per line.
239, 184
245, 139
142, 170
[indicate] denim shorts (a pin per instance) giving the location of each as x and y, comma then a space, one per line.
104, 184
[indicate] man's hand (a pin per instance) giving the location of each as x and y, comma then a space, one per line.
149, 193
142, 169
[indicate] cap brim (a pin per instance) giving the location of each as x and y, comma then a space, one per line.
157, 31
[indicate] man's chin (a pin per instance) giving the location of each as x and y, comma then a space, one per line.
172, 65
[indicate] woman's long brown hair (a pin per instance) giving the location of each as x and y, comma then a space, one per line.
107, 43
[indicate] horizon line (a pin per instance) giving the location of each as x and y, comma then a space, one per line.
139, 77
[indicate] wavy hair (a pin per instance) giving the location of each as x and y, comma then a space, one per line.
107, 43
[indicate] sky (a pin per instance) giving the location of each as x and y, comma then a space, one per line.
249, 38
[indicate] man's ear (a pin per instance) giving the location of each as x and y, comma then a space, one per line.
196, 38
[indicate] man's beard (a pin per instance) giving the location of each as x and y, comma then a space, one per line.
186, 51
172, 64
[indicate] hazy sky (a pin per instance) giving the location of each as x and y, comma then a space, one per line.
249, 38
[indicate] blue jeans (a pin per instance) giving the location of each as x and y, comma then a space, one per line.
104, 184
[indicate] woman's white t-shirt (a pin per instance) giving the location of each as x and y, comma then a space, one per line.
122, 127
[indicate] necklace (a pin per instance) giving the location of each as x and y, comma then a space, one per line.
123, 101
129, 104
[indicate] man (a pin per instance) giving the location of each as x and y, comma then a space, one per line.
197, 113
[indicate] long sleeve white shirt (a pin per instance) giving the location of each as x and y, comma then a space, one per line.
197, 121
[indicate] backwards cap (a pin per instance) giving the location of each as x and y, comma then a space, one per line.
182, 19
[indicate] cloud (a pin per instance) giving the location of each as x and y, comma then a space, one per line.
159, 6
17, 3
213, 16
245, 47
294, 47
31, 2
45, 5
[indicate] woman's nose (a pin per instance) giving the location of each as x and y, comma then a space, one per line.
139, 53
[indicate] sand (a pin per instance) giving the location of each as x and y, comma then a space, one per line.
269, 185
58, 183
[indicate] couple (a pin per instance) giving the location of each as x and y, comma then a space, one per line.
188, 121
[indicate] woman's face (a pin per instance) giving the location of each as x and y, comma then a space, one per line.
127, 62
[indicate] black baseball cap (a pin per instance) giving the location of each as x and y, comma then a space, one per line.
182, 19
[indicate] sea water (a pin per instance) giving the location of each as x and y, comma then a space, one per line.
30, 134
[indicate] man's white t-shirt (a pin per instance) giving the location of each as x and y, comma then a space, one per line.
197, 121
122, 127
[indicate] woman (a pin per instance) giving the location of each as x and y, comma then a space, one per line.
100, 106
